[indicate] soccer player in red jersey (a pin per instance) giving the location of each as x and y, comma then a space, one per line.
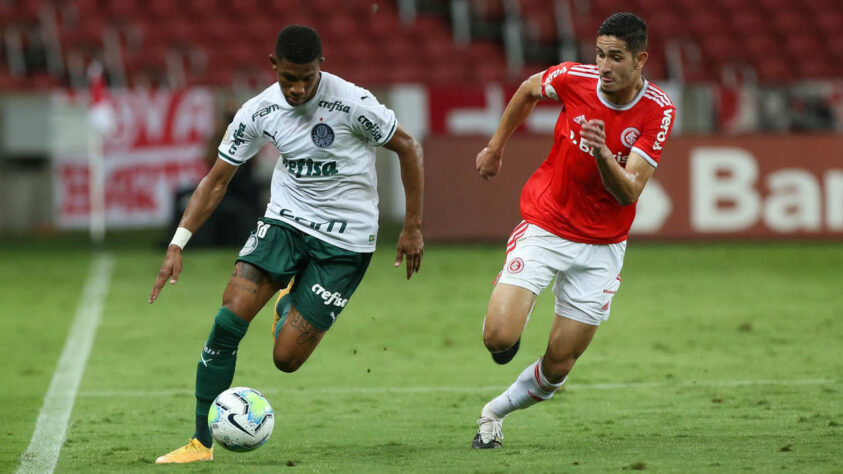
577, 208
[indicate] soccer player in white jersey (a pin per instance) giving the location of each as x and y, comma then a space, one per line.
577, 208
319, 231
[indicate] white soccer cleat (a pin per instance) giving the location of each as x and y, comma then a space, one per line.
490, 433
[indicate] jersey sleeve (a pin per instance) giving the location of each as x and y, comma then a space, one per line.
553, 81
242, 138
657, 128
373, 120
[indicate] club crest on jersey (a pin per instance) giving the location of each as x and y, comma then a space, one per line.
629, 136
516, 265
250, 246
322, 135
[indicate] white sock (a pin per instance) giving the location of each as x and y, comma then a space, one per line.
528, 389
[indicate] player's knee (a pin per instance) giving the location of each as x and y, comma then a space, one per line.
497, 339
287, 365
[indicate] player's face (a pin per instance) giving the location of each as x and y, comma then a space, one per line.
619, 68
298, 81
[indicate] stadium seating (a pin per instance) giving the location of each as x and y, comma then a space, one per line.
215, 42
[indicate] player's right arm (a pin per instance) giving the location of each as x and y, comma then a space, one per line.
488, 161
202, 203
241, 142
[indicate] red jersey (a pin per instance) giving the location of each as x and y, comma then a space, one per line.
565, 196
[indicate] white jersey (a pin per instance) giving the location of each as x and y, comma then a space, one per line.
324, 182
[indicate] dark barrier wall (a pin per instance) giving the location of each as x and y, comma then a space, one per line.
759, 187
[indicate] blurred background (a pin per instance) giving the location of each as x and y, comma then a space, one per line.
113, 108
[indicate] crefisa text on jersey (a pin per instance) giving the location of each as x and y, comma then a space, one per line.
372, 127
335, 105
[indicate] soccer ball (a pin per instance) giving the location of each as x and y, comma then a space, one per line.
241, 419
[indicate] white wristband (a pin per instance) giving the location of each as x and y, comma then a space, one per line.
181, 237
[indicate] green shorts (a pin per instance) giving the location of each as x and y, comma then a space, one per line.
326, 275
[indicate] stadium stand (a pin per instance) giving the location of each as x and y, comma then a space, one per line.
218, 42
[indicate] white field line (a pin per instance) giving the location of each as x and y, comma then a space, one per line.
475, 389
43, 452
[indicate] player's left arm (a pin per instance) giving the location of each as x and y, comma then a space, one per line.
411, 158
624, 183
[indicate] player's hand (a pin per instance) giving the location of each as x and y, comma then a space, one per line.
411, 245
593, 134
170, 269
488, 163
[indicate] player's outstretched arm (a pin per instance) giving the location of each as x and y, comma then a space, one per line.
410, 155
488, 161
624, 183
202, 203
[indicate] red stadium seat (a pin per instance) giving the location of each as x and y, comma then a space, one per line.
722, 48
386, 29
450, 72
492, 71
705, 23
587, 27
435, 48
747, 23
123, 9
691, 8
777, 5
399, 50
488, 10
774, 70
483, 52
791, 21
326, 8
426, 26
803, 45
761, 45
816, 68
655, 69
247, 9
830, 24
279, 9
174, 31
540, 27
834, 45
359, 51
198, 10
342, 25
666, 25
27, 11
408, 71
604, 8
162, 9
823, 7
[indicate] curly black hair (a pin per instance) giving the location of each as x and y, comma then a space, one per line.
298, 44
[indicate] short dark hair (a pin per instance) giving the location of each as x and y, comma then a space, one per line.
298, 44
627, 27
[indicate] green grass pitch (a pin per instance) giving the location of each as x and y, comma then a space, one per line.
717, 357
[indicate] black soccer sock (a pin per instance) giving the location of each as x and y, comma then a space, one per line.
203, 433
215, 369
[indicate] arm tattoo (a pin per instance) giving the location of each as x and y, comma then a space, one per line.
307, 333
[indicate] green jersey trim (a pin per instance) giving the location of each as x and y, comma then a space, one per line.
391, 132
229, 159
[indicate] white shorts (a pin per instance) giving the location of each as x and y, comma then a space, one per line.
587, 275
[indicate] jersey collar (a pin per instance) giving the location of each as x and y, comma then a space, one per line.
626, 106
